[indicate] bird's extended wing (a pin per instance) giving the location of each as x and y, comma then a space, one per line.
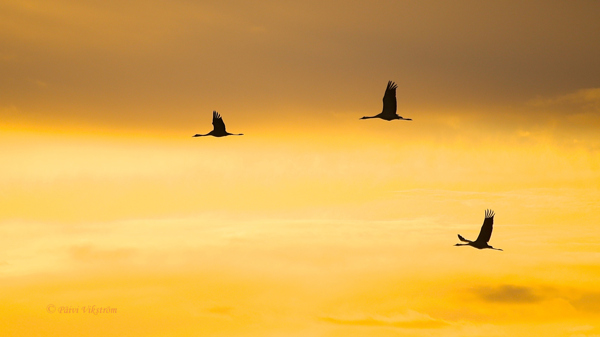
389, 100
217, 122
460, 237
486, 229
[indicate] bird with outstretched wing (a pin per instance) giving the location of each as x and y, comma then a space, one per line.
389, 105
218, 128
484, 234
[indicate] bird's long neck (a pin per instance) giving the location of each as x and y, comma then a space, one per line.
199, 135
463, 244
367, 117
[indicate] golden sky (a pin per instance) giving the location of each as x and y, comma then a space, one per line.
314, 223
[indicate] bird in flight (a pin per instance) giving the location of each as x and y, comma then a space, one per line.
389, 105
484, 234
218, 128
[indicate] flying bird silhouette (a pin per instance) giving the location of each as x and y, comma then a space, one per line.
484, 234
389, 105
218, 128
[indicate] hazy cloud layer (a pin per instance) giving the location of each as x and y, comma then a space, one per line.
89, 253
588, 301
580, 299
219, 310
509, 294
315, 223
411, 320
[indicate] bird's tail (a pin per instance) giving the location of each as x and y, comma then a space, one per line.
462, 239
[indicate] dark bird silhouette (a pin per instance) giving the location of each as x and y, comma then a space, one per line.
218, 128
484, 234
389, 105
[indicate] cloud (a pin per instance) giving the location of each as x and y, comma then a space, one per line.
89, 253
508, 294
581, 328
586, 99
411, 320
589, 301
581, 300
218, 310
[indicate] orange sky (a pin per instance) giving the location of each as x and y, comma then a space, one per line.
160, 64
314, 223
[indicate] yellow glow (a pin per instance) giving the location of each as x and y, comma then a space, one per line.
312, 234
